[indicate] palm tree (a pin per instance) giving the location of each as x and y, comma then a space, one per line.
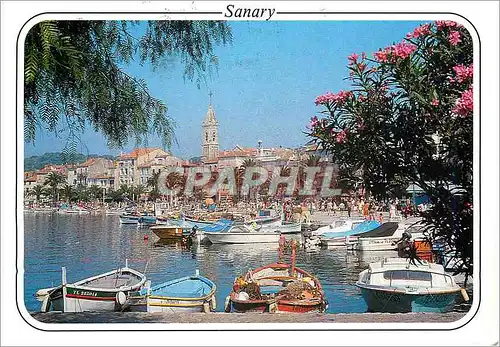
95, 191
53, 180
81, 193
152, 183
125, 191
68, 192
248, 162
240, 174
138, 191
37, 191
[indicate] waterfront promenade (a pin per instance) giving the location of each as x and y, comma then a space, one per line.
140, 317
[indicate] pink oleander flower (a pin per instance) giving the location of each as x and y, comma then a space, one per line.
362, 98
463, 73
435, 102
454, 38
341, 137
392, 53
441, 24
352, 58
419, 31
314, 122
339, 98
381, 56
465, 104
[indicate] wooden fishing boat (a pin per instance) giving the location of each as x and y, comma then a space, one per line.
397, 285
170, 232
186, 294
276, 288
105, 292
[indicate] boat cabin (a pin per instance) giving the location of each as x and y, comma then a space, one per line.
400, 272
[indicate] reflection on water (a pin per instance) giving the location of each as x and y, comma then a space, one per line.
88, 245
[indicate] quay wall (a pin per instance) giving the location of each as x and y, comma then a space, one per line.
140, 317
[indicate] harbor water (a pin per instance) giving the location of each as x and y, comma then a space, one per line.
88, 245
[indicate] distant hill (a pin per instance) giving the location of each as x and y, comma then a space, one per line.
37, 162
195, 160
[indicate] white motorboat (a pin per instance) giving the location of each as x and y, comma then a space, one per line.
104, 292
345, 238
398, 285
243, 235
338, 226
383, 238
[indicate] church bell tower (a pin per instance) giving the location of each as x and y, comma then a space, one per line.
210, 136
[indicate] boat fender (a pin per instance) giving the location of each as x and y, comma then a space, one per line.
206, 307
213, 303
464, 294
227, 304
120, 298
273, 307
243, 296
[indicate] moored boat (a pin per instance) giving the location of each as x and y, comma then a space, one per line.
382, 238
219, 226
241, 235
284, 228
398, 285
186, 294
342, 239
104, 292
169, 232
338, 226
129, 219
145, 221
276, 288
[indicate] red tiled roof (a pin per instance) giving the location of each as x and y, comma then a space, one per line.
30, 179
88, 162
137, 152
245, 152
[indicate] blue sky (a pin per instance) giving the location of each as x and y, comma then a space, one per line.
264, 88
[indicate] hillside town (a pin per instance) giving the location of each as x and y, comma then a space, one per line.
134, 170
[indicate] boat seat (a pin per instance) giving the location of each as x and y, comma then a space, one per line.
270, 289
269, 282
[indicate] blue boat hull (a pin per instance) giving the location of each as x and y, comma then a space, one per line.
392, 302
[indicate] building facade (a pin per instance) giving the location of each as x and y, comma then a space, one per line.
135, 168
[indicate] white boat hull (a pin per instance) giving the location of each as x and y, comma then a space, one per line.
376, 243
250, 237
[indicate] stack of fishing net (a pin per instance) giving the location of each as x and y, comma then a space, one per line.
299, 290
251, 288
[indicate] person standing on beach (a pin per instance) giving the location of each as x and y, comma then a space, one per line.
366, 210
329, 207
349, 209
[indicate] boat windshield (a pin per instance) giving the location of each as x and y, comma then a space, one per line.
407, 275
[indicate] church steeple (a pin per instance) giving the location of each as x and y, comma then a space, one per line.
210, 136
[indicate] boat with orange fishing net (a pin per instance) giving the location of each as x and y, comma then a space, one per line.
277, 287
